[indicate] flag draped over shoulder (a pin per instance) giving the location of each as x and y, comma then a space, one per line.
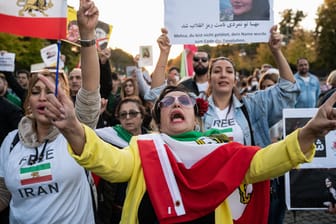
186, 68
191, 180
34, 18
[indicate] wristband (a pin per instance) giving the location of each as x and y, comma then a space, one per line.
87, 43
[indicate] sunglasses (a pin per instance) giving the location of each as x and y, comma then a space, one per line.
197, 59
184, 100
132, 114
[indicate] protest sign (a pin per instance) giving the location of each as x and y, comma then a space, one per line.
207, 22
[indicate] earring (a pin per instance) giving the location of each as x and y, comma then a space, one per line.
197, 127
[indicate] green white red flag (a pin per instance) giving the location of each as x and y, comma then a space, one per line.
186, 68
192, 180
34, 18
35, 174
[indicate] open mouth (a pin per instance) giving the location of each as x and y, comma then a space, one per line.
223, 83
176, 116
41, 109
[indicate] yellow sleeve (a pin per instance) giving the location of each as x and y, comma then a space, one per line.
105, 160
278, 158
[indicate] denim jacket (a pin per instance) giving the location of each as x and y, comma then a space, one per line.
264, 108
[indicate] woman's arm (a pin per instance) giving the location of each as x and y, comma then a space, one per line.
88, 97
158, 75
298, 147
275, 47
87, 18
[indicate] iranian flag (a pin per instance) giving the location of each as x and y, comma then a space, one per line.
34, 18
192, 180
186, 68
35, 174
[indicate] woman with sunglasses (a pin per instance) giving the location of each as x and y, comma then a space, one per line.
173, 176
38, 180
130, 112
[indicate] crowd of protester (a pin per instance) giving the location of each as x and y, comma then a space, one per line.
247, 109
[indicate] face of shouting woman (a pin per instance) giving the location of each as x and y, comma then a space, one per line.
177, 113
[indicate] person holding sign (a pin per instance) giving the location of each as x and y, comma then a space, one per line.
167, 193
247, 119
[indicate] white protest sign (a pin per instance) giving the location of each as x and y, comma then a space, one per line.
7, 62
215, 22
49, 56
146, 56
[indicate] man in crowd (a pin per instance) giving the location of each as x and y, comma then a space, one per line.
199, 83
309, 85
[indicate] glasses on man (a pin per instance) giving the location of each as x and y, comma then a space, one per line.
131, 114
197, 59
184, 100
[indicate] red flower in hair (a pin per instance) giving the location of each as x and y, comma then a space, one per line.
202, 106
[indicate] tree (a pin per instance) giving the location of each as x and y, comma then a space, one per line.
326, 35
290, 21
120, 59
301, 45
27, 50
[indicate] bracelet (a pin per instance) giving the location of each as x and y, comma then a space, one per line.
87, 43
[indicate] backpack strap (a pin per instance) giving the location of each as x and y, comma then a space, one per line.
248, 121
16, 139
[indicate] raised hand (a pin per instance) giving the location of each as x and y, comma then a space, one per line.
87, 19
321, 124
59, 109
275, 39
163, 41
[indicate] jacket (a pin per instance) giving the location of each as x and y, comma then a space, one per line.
264, 109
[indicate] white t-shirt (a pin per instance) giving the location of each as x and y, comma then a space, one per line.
305, 79
228, 123
54, 190
202, 87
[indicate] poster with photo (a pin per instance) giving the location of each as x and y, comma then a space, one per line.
218, 21
145, 56
103, 30
49, 56
305, 187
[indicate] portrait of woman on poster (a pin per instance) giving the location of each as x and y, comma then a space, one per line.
330, 192
244, 10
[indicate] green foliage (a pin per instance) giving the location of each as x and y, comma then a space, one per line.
302, 45
27, 50
120, 59
290, 22
326, 35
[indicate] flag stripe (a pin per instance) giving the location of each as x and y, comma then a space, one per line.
30, 174
36, 180
49, 28
35, 168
